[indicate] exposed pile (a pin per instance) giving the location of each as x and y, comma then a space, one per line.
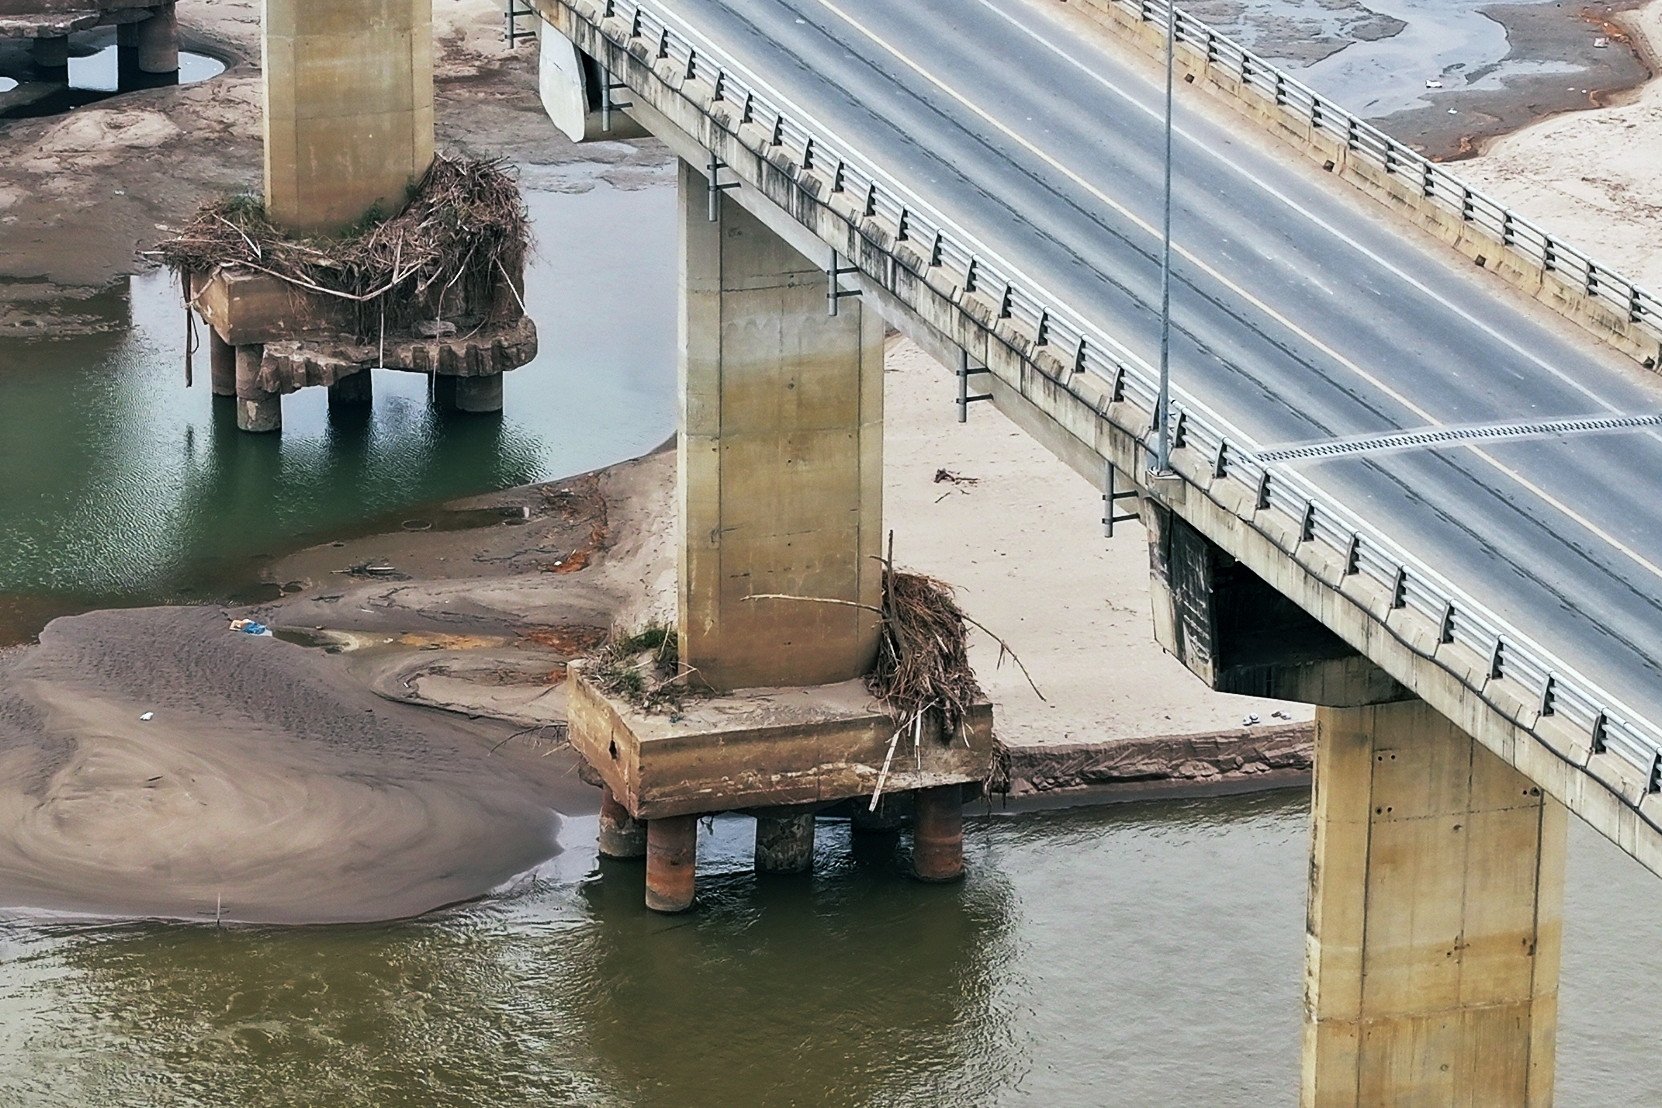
464, 226
922, 655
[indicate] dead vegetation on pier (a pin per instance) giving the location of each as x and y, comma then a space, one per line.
464, 228
642, 668
923, 665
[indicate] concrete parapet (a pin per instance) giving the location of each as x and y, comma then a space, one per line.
1405, 195
1436, 888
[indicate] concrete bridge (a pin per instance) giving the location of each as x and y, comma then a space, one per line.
1402, 491
1412, 481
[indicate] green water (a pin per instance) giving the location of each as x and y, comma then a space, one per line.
122, 487
1146, 954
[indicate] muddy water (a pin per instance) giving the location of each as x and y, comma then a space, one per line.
1138, 954
123, 487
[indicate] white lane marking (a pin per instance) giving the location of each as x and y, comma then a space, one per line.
1428, 417
1289, 202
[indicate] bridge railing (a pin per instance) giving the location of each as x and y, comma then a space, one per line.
1533, 674
1568, 265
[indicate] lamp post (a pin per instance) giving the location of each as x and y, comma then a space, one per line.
1162, 407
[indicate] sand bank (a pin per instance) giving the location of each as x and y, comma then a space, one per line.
1594, 177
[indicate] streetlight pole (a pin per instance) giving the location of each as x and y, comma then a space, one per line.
1162, 413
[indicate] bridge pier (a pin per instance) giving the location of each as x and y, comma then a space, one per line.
1436, 869
781, 454
780, 582
784, 841
671, 863
258, 411
621, 835
353, 392
50, 53
1436, 890
222, 362
150, 45
348, 109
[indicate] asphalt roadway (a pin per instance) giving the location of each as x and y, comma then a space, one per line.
1303, 312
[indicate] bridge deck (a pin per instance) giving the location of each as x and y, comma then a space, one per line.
1303, 312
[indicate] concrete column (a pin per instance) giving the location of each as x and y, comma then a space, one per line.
257, 410
356, 391
781, 457
222, 361
621, 834
478, 394
156, 41
1436, 890
784, 842
50, 53
671, 863
938, 833
348, 108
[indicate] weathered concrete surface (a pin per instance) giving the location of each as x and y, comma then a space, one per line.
55, 19
1436, 890
781, 459
761, 748
349, 108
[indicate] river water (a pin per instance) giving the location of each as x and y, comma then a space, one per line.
124, 488
1137, 954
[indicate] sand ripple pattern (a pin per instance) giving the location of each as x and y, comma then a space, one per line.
268, 786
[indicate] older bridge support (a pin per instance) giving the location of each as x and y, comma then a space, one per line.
1436, 869
348, 108
1436, 888
781, 454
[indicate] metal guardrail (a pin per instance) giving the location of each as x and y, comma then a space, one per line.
1539, 677
1569, 265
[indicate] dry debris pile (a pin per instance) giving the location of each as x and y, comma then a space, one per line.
923, 664
465, 225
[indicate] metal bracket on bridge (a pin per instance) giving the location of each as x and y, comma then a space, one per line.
965, 370
716, 188
833, 293
1111, 497
607, 104
512, 13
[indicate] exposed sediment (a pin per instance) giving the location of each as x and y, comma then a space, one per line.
154, 763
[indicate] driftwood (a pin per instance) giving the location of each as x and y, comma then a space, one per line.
463, 226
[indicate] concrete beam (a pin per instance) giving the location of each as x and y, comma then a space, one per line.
1239, 635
